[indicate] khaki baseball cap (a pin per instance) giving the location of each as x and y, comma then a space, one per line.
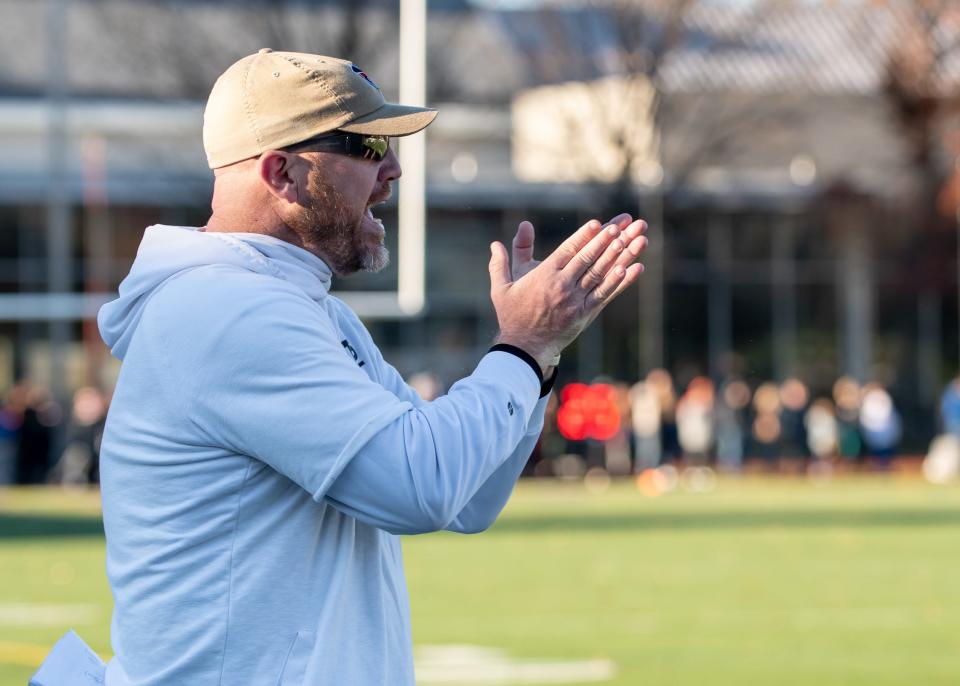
270, 100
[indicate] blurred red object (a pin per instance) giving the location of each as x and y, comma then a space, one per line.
588, 412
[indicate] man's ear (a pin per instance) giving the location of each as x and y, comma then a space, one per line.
275, 169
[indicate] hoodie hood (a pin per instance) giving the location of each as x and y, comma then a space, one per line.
166, 251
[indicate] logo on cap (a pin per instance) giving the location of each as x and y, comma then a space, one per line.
362, 73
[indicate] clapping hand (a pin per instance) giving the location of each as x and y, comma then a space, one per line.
543, 306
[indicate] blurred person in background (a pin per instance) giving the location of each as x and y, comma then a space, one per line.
645, 425
662, 383
766, 430
617, 447
590, 418
880, 423
820, 421
11, 417
427, 385
80, 461
950, 408
35, 438
731, 424
695, 420
942, 462
846, 397
793, 404
260, 458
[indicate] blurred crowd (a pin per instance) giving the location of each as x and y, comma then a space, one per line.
608, 425
782, 427
41, 442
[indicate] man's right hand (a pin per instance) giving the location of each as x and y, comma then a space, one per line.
547, 306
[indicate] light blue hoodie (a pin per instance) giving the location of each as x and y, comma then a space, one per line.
259, 461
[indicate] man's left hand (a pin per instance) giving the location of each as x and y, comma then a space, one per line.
523, 261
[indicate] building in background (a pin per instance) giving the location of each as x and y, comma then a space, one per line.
766, 143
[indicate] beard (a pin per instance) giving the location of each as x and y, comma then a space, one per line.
329, 226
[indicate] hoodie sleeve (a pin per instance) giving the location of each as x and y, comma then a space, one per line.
483, 509
480, 511
456, 457
268, 377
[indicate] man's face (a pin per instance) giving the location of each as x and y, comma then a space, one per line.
335, 217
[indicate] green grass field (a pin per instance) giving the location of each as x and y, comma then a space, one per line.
855, 581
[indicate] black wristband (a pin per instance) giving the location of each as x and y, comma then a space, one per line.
523, 355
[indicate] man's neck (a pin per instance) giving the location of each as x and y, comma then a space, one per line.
220, 222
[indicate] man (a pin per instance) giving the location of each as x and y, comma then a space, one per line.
260, 457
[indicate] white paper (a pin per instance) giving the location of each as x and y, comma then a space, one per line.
71, 662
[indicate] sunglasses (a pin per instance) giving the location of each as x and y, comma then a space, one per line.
346, 143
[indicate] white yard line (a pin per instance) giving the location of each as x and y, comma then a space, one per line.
34, 614
465, 664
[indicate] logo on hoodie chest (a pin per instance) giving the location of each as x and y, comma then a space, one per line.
352, 352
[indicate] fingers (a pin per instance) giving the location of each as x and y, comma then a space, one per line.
622, 251
559, 258
585, 263
523, 244
634, 229
632, 274
617, 280
596, 271
632, 251
499, 266
578, 256
621, 220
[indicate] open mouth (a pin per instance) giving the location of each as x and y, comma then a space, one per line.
369, 213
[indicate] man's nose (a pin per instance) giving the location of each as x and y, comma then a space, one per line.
390, 167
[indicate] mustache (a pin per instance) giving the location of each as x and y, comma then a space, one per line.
381, 195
